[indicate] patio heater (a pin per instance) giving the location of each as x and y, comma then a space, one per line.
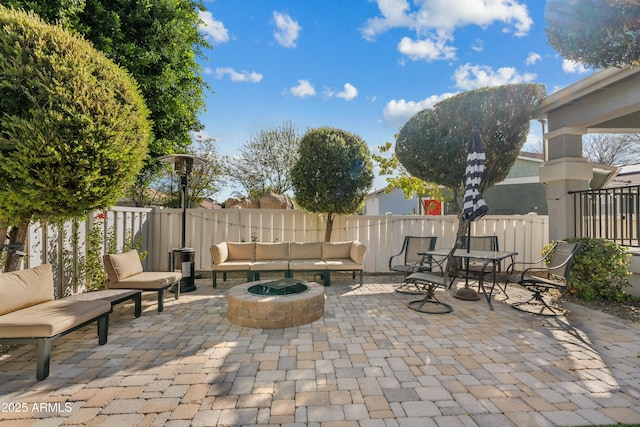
183, 257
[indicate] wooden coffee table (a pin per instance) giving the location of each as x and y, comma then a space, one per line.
114, 296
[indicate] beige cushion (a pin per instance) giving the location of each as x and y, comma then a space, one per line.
307, 265
219, 253
241, 251
305, 250
233, 266
342, 264
121, 266
24, 288
336, 250
272, 265
272, 251
50, 318
357, 252
147, 280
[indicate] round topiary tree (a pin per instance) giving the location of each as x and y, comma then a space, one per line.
73, 129
333, 173
597, 33
432, 144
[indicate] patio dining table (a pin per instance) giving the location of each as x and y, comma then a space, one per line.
490, 259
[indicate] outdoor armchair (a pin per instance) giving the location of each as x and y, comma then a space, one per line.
540, 278
409, 261
429, 281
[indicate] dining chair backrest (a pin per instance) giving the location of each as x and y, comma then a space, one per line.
482, 243
411, 247
562, 259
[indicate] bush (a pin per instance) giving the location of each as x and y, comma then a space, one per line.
74, 127
599, 270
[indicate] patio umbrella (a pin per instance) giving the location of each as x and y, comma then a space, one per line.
474, 206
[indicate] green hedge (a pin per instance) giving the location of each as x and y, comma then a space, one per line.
600, 269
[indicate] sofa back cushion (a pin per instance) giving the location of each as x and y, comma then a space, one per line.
24, 288
241, 251
272, 251
358, 251
305, 250
336, 250
219, 253
121, 266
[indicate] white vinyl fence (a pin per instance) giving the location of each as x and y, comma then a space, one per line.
160, 231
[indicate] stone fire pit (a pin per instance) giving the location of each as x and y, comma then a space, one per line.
271, 304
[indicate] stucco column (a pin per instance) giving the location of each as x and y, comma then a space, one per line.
565, 170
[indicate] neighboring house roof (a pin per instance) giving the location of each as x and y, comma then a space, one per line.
627, 175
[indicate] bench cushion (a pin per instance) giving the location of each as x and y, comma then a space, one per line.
298, 251
50, 318
273, 265
336, 250
121, 266
241, 251
24, 288
342, 264
307, 265
148, 280
272, 251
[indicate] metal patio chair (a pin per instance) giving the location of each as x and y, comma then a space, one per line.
543, 278
429, 281
409, 261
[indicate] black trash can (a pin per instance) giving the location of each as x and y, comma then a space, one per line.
184, 261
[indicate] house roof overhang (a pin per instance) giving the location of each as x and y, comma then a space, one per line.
607, 101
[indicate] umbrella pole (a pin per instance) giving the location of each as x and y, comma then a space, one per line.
467, 293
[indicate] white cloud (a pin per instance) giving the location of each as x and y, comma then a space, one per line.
532, 58
478, 45
428, 50
287, 30
212, 28
468, 77
397, 112
238, 76
303, 89
571, 67
448, 15
435, 21
348, 93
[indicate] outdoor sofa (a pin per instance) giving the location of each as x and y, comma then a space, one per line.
288, 257
29, 314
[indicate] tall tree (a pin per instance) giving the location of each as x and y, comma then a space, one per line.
333, 173
265, 161
597, 33
158, 42
431, 145
74, 127
612, 149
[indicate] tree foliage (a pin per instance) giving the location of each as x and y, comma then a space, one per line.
265, 161
158, 42
204, 180
398, 177
333, 173
432, 144
597, 33
612, 149
74, 127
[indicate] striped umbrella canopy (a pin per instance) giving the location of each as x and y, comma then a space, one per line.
474, 206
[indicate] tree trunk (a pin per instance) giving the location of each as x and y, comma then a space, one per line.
17, 235
327, 231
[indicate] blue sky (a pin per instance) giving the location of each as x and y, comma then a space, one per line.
365, 66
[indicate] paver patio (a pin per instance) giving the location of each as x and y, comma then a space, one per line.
369, 362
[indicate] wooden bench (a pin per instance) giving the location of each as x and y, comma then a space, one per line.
29, 314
